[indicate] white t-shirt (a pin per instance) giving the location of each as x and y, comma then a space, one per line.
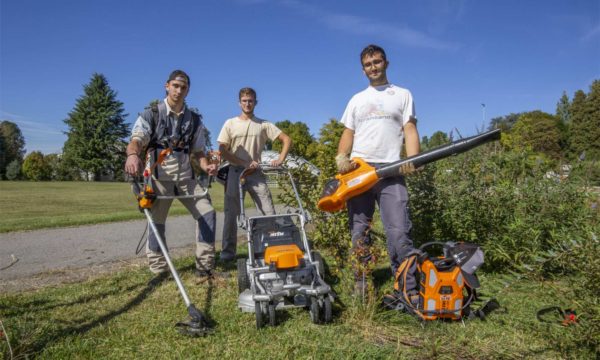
378, 115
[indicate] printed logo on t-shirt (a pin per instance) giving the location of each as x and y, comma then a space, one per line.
371, 111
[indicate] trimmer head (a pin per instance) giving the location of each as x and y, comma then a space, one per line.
198, 325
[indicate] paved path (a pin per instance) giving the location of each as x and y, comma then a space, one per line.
48, 250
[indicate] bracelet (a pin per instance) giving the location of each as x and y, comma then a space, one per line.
128, 155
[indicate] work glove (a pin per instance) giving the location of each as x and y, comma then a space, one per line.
409, 168
344, 164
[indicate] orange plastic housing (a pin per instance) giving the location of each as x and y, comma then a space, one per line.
144, 201
283, 256
441, 291
351, 184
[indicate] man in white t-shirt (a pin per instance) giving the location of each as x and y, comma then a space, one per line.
378, 121
241, 142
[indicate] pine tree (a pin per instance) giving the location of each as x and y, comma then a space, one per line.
585, 124
579, 126
591, 111
97, 128
564, 117
562, 108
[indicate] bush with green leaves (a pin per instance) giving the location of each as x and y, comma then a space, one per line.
13, 170
527, 219
36, 168
329, 231
506, 201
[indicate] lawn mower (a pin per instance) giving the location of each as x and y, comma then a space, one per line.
281, 271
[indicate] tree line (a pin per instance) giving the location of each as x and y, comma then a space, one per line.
97, 133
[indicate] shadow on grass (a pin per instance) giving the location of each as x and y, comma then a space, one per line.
25, 349
37, 344
45, 305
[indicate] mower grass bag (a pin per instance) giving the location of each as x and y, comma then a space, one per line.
446, 284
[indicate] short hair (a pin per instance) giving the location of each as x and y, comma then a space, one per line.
247, 91
370, 50
179, 73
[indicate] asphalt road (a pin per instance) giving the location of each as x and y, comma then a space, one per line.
67, 249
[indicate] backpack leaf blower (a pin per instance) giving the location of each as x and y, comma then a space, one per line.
345, 186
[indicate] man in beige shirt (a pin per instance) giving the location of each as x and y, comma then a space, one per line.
241, 142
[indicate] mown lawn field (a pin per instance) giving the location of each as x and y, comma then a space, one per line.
131, 315
37, 205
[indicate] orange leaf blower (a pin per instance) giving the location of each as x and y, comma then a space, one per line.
337, 191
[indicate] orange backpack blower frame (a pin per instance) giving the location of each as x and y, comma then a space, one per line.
445, 288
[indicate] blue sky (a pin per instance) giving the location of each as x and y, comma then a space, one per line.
302, 56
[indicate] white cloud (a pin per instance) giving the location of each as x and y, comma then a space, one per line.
372, 27
595, 31
28, 126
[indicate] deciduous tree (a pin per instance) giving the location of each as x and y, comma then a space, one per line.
13, 144
303, 143
35, 167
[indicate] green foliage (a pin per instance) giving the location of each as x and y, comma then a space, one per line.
437, 139
36, 168
585, 124
504, 123
499, 199
330, 232
59, 169
562, 109
96, 130
13, 146
303, 143
13, 170
538, 131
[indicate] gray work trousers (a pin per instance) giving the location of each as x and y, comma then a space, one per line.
392, 197
201, 210
256, 186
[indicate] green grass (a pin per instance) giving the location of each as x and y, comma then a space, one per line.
126, 317
37, 205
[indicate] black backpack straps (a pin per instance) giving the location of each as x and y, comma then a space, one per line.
196, 123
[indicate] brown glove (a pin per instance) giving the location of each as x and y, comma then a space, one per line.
344, 164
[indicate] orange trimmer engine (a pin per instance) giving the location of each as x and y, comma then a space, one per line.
287, 256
